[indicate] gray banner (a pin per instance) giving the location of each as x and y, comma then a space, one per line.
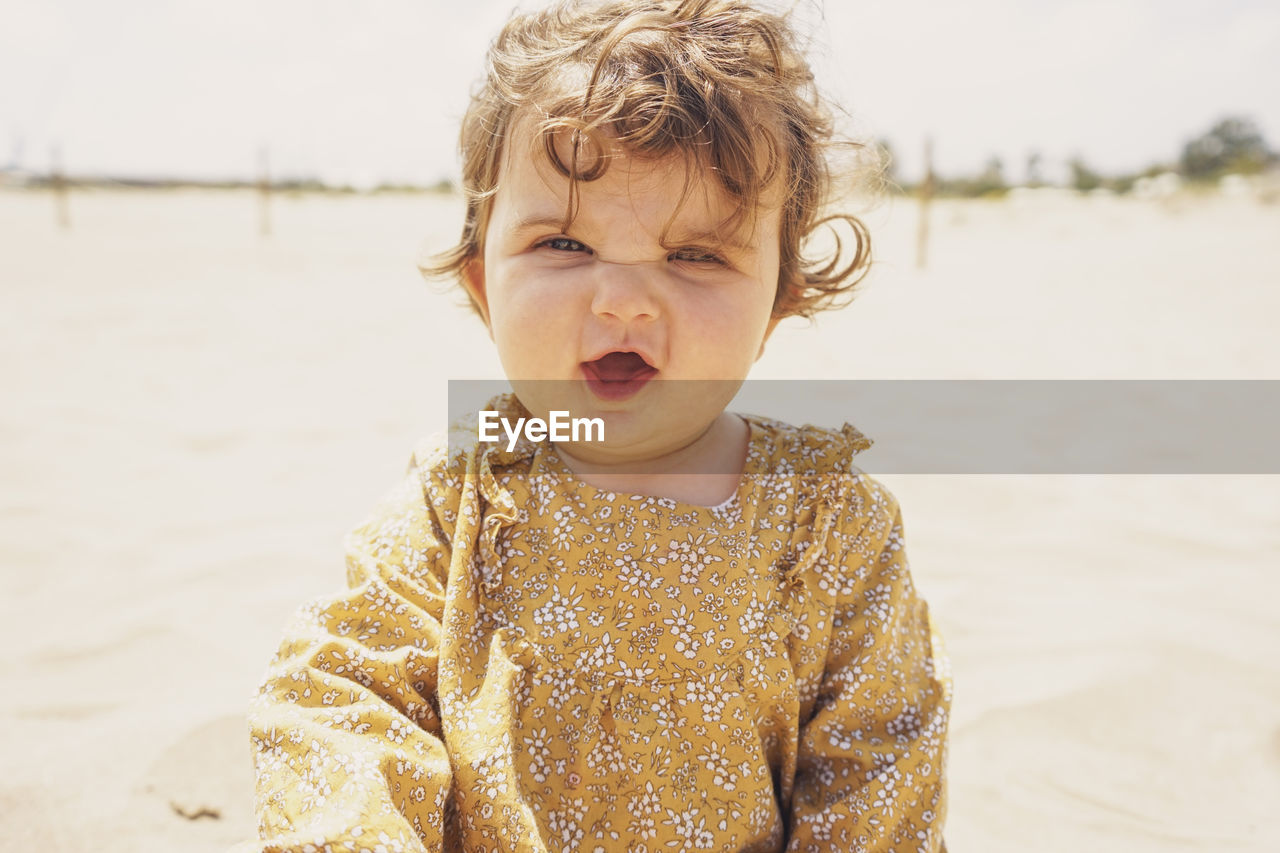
995, 426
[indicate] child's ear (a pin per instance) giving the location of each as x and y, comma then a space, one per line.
773, 324
473, 281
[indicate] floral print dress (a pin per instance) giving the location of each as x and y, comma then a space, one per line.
523, 662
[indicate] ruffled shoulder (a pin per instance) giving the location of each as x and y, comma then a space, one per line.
451, 447
844, 498
452, 468
464, 435
443, 459
460, 477
803, 451
811, 471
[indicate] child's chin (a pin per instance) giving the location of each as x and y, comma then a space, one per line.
640, 439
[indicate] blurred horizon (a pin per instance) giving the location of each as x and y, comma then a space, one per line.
373, 97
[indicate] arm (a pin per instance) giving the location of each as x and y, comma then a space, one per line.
345, 731
870, 770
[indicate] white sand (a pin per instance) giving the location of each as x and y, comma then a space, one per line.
193, 416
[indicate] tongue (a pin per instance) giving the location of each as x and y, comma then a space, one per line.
619, 367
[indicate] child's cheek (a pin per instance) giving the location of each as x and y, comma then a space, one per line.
545, 281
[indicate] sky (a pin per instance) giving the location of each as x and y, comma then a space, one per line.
371, 92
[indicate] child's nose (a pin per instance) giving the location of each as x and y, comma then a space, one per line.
625, 291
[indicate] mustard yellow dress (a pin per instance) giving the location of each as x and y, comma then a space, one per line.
525, 663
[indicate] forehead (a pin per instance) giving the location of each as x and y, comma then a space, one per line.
673, 192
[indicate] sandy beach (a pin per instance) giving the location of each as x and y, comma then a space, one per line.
194, 414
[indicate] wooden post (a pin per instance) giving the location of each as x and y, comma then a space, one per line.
264, 191
58, 181
927, 186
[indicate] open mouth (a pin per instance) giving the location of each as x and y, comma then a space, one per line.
618, 375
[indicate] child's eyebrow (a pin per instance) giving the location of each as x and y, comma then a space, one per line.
714, 238
539, 221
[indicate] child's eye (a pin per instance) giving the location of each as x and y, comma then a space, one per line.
699, 257
562, 244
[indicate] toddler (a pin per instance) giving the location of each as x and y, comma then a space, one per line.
686, 630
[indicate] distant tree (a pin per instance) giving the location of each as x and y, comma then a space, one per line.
990, 180
1035, 174
1122, 183
1083, 178
987, 183
1234, 144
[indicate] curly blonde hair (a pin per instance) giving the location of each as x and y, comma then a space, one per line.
719, 82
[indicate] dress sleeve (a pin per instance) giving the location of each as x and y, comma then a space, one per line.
346, 728
871, 762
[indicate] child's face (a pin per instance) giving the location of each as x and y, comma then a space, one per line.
608, 306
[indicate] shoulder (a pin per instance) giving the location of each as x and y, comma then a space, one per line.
444, 468
409, 530
822, 457
447, 463
438, 466
815, 469
806, 450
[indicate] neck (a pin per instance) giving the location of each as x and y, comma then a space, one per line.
705, 472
